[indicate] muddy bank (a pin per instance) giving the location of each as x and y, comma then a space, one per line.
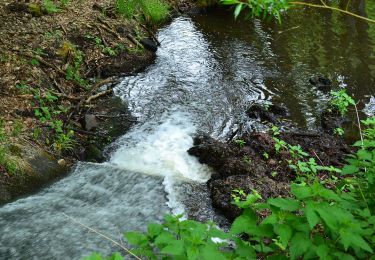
60, 67
252, 162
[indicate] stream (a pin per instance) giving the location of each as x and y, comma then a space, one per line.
209, 70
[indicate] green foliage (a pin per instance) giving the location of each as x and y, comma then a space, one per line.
7, 161
341, 100
72, 71
241, 143
339, 131
106, 50
259, 8
155, 11
48, 112
50, 6
127, 8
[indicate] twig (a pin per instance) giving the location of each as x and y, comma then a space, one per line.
102, 235
318, 158
152, 35
89, 93
100, 94
359, 124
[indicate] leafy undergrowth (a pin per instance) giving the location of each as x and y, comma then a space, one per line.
334, 220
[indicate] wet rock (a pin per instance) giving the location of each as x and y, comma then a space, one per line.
271, 113
321, 82
149, 44
330, 119
36, 169
90, 122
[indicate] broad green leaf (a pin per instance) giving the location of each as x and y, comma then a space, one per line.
136, 238
116, 256
353, 239
301, 192
93, 256
299, 245
175, 248
238, 10
164, 238
311, 216
244, 249
285, 204
326, 213
244, 223
285, 233
323, 251
192, 252
349, 169
154, 230
364, 155
328, 194
210, 252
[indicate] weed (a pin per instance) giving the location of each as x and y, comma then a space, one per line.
246, 159
155, 11
341, 100
241, 143
50, 6
127, 8
338, 131
17, 128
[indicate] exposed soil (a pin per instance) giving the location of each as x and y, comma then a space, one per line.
69, 55
255, 164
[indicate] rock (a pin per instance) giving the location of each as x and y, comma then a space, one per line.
149, 44
91, 122
321, 82
271, 113
62, 163
330, 119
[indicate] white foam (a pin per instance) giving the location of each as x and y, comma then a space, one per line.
161, 149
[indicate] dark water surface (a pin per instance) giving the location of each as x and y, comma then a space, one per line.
209, 70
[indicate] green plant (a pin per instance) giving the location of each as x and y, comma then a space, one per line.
64, 141
259, 8
17, 128
341, 100
241, 143
126, 8
50, 6
246, 159
339, 131
155, 11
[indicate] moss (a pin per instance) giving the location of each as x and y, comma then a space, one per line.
35, 9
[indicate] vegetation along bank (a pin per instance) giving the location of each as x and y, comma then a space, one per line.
59, 62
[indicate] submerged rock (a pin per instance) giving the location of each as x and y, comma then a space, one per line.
269, 113
321, 82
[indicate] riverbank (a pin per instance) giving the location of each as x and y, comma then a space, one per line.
59, 64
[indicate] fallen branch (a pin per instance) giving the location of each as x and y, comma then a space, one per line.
89, 93
100, 94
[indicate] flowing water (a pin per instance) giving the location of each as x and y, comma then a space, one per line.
209, 69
